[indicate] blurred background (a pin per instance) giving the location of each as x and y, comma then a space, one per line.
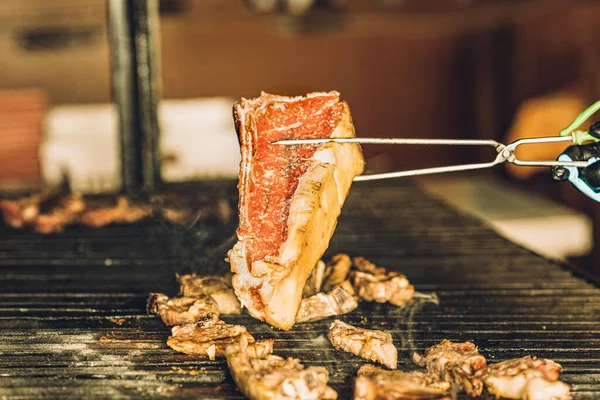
493, 69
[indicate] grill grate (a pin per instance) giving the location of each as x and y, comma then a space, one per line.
72, 320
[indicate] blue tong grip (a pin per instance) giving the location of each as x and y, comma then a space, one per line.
578, 181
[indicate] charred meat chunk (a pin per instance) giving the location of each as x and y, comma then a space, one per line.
181, 310
187, 209
209, 337
372, 345
290, 197
374, 283
52, 211
217, 287
23, 211
182, 209
337, 271
373, 383
270, 377
121, 210
338, 302
526, 378
455, 362
59, 213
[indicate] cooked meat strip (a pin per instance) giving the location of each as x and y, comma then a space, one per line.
59, 210
122, 210
181, 310
20, 212
339, 301
314, 281
372, 345
185, 209
271, 377
525, 378
289, 197
209, 336
337, 271
374, 283
179, 216
364, 265
217, 287
59, 213
373, 383
455, 362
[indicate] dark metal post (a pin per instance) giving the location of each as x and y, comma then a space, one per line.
134, 45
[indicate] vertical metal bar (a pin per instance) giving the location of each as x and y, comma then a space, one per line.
147, 29
134, 35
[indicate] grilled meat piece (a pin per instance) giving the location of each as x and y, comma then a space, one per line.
455, 362
339, 301
374, 283
59, 213
373, 383
181, 310
289, 197
183, 209
364, 265
525, 378
209, 336
315, 281
186, 209
272, 377
217, 287
337, 271
372, 345
23, 211
102, 213
182, 216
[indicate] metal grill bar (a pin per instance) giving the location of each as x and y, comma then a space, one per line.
72, 320
134, 30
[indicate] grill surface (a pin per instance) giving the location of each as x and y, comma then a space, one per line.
73, 325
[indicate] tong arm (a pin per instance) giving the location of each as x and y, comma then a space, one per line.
505, 153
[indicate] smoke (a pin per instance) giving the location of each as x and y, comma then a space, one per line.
406, 315
199, 241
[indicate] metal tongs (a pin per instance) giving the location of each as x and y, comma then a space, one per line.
506, 153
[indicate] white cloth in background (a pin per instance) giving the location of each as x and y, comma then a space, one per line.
540, 225
198, 141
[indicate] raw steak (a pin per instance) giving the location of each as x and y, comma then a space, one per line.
289, 197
